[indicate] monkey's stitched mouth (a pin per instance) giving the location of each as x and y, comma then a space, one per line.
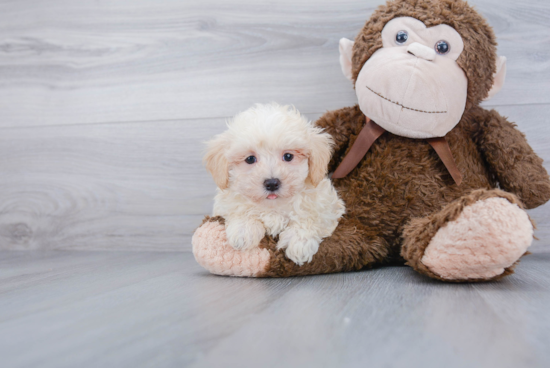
405, 107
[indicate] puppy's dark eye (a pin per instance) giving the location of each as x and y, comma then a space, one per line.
401, 37
442, 47
288, 157
250, 160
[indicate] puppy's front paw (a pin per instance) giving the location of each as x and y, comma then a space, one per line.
243, 235
299, 249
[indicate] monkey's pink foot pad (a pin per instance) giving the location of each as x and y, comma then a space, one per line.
487, 237
213, 252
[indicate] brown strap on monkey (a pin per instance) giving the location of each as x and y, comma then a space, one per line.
443, 150
368, 135
371, 132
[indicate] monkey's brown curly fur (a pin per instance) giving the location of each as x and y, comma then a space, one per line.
400, 193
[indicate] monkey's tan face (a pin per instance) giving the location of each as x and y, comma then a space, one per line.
413, 86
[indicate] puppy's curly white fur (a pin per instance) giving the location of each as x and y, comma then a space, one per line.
270, 167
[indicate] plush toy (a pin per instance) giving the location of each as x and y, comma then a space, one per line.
428, 177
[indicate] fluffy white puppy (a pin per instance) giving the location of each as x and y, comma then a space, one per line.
270, 167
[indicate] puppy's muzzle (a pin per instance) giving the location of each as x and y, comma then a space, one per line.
272, 184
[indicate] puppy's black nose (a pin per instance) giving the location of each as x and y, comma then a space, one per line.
272, 184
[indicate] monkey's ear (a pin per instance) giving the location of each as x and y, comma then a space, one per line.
346, 52
215, 161
498, 77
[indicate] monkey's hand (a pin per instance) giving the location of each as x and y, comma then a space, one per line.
516, 166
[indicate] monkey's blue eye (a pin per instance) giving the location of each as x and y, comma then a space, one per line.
442, 47
401, 37
288, 157
250, 160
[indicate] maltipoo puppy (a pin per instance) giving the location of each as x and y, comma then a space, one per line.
270, 167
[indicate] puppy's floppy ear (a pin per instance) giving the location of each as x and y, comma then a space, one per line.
319, 155
215, 161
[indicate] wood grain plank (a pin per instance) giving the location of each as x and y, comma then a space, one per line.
76, 62
111, 186
146, 309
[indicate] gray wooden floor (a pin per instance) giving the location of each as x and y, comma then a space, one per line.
160, 309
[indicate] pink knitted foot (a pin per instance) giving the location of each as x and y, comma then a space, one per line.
212, 252
486, 238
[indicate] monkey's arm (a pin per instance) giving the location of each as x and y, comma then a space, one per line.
342, 125
511, 159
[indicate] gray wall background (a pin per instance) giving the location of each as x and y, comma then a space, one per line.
104, 104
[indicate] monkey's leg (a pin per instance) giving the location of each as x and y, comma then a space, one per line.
478, 237
350, 247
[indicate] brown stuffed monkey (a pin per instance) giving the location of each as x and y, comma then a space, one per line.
424, 191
